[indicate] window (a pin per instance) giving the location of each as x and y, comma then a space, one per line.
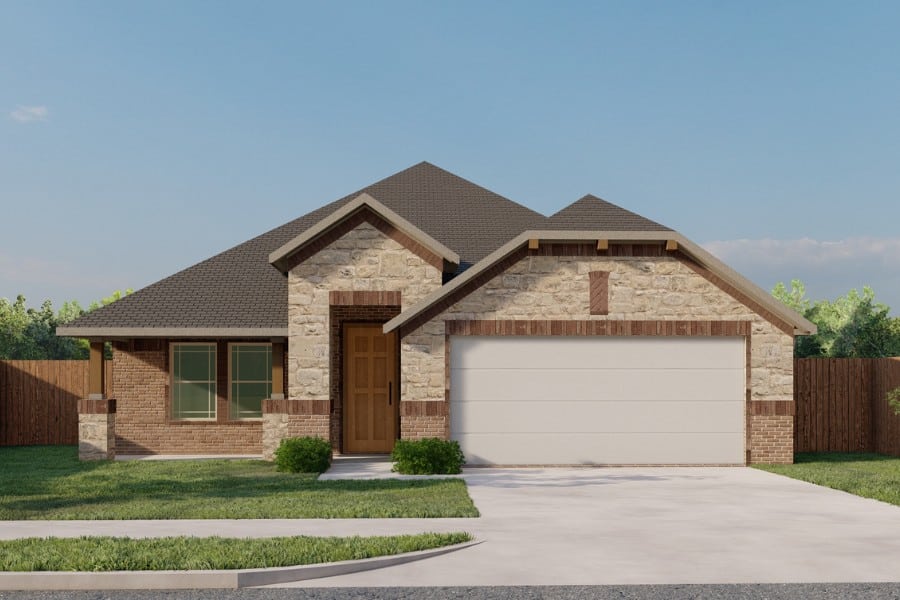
194, 381
251, 379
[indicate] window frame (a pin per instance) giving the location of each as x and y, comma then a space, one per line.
215, 381
232, 413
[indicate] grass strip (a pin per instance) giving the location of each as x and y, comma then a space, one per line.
191, 553
49, 482
863, 474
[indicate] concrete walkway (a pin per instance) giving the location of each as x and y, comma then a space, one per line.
605, 526
367, 466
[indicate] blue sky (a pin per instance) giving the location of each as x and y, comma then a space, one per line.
137, 138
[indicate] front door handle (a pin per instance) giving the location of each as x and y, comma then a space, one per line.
390, 392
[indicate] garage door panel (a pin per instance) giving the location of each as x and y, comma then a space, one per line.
588, 352
605, 448
517, 385
596, 417
598, 400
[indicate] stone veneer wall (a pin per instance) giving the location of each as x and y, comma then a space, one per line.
96, 429
143, 426
541, 285
363, 259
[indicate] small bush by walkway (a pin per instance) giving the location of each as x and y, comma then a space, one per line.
867, 475
190, 553
49, 482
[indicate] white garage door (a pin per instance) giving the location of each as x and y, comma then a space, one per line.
598, 400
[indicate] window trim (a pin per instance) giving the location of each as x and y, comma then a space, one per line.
215, 380
231, 412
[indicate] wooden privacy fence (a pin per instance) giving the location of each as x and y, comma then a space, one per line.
841, 405
39, 400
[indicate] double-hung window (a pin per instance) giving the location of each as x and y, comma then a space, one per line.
193, 381
250, 368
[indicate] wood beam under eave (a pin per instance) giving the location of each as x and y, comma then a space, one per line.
602, 245
96, 372
671, 245
277, 370
534, 244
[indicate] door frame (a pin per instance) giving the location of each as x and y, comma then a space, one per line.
394, 417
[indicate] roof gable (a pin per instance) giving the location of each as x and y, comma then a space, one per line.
461, 286
279, 258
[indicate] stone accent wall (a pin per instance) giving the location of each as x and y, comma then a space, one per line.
551, 286
96, 436
143, 423
362, 259
278, 426
284, 418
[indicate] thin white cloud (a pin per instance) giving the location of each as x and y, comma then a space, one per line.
29, 114
807, 251
828, 268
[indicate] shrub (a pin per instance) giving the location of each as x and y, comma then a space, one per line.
429, 456
893, 399
303, 455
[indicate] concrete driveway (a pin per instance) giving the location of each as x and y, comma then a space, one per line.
654, 526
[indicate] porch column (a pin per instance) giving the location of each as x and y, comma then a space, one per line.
274, 410
96, 413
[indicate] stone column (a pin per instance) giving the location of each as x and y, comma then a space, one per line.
97, 413
97, 429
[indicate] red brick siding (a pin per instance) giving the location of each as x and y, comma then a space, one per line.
143, 423
772, 439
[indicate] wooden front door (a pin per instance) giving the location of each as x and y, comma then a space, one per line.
370, 388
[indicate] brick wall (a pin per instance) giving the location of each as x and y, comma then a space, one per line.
143, 426
767, 439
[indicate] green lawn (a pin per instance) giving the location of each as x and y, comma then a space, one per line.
868, 475
49, 482
183, 553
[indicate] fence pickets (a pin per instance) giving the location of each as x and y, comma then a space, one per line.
842, 407
39, 400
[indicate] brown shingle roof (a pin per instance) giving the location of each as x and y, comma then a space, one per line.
593, 213
240, 289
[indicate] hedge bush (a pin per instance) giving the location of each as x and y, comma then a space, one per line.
429, 456
303, 455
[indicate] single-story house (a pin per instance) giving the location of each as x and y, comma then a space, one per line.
427, 306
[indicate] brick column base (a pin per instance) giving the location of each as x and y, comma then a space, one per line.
96, 429
289, 417
421, 419
772, 439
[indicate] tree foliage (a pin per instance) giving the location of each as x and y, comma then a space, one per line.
854, 326
30, 333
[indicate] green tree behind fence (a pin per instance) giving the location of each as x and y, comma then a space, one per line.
30, 333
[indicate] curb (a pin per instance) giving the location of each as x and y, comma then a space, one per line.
218, 579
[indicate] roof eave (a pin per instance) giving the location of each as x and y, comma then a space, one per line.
801, 325
172, 332
279, 257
